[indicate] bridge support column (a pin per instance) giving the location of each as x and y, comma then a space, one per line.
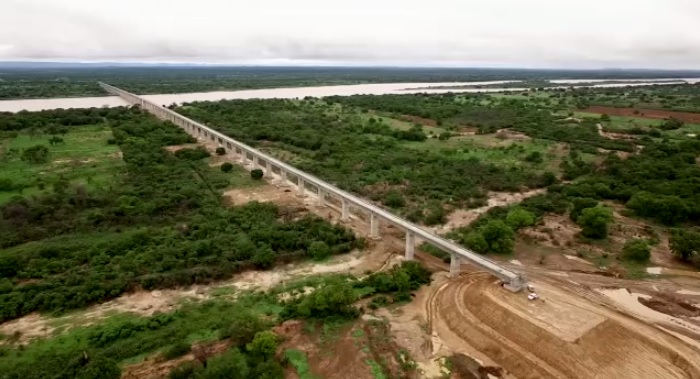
373, 226
242, 157
345, 210
410, 245
268, 169
321, 201
454, 266
283, 177
301, 187
256, 162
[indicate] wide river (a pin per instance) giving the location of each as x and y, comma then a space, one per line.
300, 92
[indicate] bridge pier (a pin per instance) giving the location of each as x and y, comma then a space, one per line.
301, 187
454, 265
321, 201
283, 177
410, 245
344, 211
268, 169
373, 226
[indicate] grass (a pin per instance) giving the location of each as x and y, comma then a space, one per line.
84, 158
300, 362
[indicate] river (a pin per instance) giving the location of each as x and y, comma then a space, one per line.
293, 92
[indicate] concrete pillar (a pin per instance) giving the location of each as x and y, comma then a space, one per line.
301, 187
321, 201
242, 157
256, 162
454, 265
410, 245
345, 211
283, 176
268, 168
373, 226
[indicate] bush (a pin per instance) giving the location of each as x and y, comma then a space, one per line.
319, 250
220, 151
36, 154
636, 250
227, 167
394, 199
685, 244
230, 365
263, 346
186, 370
534, 157
256, 174
594, 222
192, 154
499, 237
177, 350
519, 218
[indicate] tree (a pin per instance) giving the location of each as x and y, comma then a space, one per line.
319, 250
256, 174
243, 328
100, 368
476, 242
264, 257
685, 244
499, 237
594, 222
671, 124
534, 157
604, 117
220, 151
263, 346
227, 167
394, 199
519, 218
36, 154
636, 250
230, 365
581, 203
55, 140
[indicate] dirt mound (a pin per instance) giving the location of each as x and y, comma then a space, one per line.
646, 113
560, 337
671, 307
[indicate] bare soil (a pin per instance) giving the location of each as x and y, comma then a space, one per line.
646, 113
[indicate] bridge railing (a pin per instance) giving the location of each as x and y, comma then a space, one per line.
347, 199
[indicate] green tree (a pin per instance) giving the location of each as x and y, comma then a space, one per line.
499, 237
685, 244
636, 250
604, 117
594, 222
227, 167
476, 242
263, 346
230, 365
394, 199
36, 154
581, 203
519, 218
264, 257
319, 250
220, 151
100, 368
243, 328
256, 174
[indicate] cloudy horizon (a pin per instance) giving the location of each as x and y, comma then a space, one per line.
653, 34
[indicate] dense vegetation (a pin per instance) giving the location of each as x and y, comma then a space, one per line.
367, 156
163, 225
56, 80
95, 351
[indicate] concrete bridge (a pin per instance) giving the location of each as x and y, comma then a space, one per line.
244, 153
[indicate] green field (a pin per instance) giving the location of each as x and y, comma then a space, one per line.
84, 158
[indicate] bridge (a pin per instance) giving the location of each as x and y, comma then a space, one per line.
244, 153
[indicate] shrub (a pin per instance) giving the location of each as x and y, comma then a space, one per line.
256, 174
319, 250
36, 154
227, 167
685, 244
220, 151
636, 250
177, 350
519, 218
394, 199
534, 157
263, 346
594, 222
499, 237
192, 154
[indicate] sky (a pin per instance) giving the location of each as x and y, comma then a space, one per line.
465, 33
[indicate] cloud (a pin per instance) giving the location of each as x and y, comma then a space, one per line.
533, 33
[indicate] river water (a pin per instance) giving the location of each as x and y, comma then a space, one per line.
291, 93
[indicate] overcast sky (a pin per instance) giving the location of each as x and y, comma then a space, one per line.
509, 33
